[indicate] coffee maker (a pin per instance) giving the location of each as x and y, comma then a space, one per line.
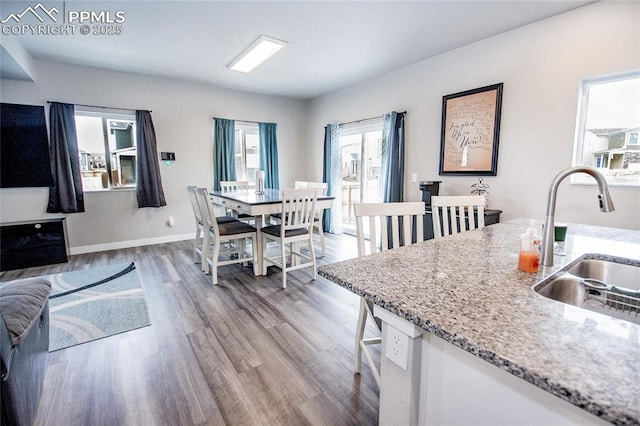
429, 188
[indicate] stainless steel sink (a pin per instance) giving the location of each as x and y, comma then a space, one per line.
605, 284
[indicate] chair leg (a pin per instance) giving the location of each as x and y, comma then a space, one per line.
196, 243
214, 263
243, 249
322, 243
313, 256
362, 322
206, 242
283, 251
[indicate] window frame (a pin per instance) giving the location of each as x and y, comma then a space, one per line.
108, 115
244, 129
580, 130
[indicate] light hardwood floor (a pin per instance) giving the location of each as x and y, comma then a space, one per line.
245, 352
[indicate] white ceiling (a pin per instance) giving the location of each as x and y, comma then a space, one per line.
331, 44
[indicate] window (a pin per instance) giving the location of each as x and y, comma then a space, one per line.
107, 149
247, 151
361, 156
608, 127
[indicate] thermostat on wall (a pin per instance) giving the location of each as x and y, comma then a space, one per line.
168, 156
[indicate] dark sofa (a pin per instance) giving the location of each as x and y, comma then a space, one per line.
24, 346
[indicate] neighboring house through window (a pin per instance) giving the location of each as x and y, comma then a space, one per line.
107, 149
608, 127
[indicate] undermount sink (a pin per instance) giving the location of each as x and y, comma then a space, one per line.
604, 284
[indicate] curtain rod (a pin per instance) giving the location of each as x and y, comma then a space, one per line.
237, 121
243, 121
367, 119
99, 106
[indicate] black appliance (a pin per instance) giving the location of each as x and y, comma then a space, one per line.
429, 188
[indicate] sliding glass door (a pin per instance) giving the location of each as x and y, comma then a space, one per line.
361, 149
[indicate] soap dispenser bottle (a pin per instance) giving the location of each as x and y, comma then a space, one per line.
530, 242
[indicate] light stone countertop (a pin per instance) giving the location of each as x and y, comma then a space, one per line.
467, 290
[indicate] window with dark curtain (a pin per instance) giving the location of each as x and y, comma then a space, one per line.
224, 167
65, 195
149, 190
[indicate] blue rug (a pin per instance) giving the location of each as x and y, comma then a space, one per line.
94, 303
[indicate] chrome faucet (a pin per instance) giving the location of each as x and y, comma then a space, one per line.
604, 199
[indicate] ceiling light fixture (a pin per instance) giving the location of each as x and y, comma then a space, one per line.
257, 53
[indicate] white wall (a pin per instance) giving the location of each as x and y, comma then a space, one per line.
183, 118
541, 66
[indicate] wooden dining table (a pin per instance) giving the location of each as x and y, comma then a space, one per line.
259, 205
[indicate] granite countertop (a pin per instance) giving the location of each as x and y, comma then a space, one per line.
467, 289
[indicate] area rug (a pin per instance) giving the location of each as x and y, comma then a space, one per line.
94, 303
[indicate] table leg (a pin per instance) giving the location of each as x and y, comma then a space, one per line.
257, 251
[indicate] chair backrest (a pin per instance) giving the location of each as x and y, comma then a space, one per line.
322, 190
320, 186
208, 212
394, 223
299, 184
193, 198
298, 207
233, 185
454, 214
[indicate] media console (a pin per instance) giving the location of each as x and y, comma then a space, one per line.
32, 243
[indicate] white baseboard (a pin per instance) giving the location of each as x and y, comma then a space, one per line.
128, 244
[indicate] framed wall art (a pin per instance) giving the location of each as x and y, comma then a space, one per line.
471, 131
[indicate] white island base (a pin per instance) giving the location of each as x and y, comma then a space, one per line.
428, 381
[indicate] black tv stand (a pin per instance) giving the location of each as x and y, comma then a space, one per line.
32, 243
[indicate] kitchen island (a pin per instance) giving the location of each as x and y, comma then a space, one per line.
467, 340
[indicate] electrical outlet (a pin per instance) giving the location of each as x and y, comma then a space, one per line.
414, 177
397, 347
171, 221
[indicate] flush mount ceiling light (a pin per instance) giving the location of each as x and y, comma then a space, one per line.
257, 53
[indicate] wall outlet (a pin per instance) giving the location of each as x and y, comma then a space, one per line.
171, 221
397, 347
414, 177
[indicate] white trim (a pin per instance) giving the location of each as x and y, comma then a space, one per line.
130, 243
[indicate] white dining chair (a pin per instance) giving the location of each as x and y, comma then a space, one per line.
237, 185
317, 218
200, 225
225, 242
453, 214
296, 226
197, 242
274, 218
389, 225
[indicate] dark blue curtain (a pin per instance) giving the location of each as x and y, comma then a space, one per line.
331, 174
269, 155
393, 161
393, 157
65, 196
149, 190
224, 137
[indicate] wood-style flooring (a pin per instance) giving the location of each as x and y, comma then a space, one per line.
245, 352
